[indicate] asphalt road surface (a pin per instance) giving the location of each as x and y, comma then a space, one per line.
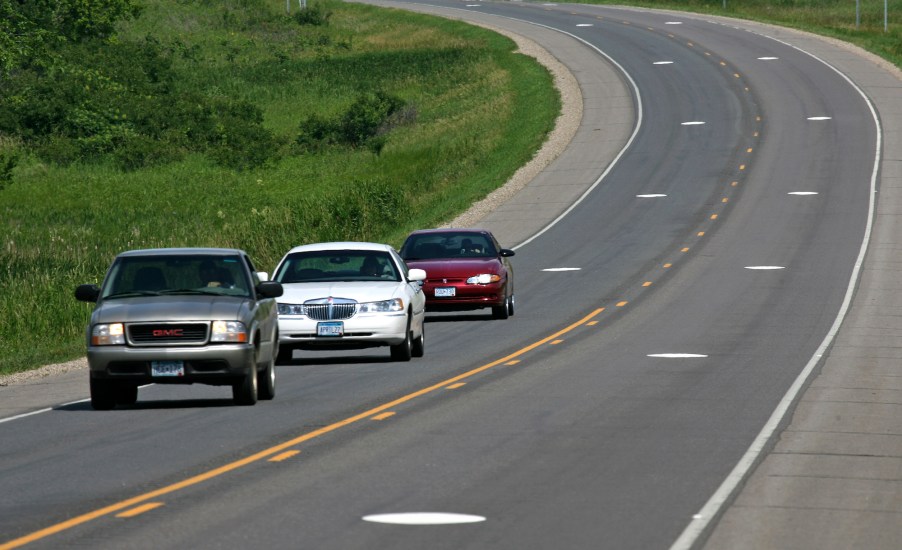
659, 325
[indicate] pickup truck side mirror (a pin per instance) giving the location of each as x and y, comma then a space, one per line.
87, 293
506, 252
270, 289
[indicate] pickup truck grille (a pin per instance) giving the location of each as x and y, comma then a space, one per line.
152, 334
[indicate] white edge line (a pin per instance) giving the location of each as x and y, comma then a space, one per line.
629, 142
733, 482
19, 416
742, 469
41, 411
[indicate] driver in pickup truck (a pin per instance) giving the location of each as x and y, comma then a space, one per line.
213, 276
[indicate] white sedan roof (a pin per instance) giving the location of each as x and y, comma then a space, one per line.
344, 245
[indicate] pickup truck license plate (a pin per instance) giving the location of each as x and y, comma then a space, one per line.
167, 368
445, 292
332, 328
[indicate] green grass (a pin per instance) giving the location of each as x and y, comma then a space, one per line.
481, 112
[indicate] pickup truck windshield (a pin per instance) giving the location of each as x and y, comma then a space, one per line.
172, 275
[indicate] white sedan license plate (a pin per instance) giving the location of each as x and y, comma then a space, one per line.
167, 368
336, 328
445, 292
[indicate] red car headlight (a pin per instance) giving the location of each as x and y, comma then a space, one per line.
483, 279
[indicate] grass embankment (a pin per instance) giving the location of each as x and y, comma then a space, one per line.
474, 111
834, 18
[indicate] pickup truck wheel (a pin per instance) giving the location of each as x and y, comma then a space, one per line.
285, 355
126, 394
244, 392
103, 394
266, 381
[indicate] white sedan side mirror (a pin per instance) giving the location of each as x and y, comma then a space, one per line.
416, 275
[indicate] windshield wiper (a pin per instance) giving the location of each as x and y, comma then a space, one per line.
132, 293
188, 291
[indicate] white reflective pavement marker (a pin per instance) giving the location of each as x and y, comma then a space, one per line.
651, 196
554, 269
677, 355
692, 123
802, 193
764, 267
820, 118
663, 63
423, 518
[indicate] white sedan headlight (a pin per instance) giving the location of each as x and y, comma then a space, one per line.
111, 334
292, 309
228, 331
483, 279
385, 306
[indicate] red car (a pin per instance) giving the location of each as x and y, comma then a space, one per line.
465, 269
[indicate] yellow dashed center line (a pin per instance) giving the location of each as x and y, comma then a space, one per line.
373, 413
384, 415
284, 456
139, 510
455, 386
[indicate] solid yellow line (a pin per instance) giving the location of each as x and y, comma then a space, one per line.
215, 472
458, 385
139, 510
383, 416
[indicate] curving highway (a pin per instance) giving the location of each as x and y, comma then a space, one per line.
682, 273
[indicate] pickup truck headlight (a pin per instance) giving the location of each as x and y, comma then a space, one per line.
483, 279
228, 331
385, 306
112, 334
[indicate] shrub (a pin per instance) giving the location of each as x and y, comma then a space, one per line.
314, 14
364, 124
8, 161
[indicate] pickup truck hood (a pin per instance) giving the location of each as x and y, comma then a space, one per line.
362, 291
169, 308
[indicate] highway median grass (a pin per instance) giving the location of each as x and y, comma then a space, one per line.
473, 112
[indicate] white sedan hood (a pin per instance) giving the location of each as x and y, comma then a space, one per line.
362, 291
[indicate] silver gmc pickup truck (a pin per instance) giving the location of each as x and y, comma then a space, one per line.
182, 316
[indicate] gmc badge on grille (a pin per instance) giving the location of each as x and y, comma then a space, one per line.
168, 332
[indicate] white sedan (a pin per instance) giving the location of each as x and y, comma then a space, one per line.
350, 295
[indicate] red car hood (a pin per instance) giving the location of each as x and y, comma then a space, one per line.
446, 268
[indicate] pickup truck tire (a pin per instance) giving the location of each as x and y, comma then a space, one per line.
266, 381
126, 394
244, 392
285, 355
103, 394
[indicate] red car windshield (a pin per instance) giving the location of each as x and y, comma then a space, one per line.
431, 246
